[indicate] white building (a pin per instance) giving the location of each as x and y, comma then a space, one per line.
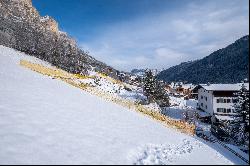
218, 99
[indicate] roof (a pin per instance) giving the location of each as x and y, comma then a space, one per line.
224, 87
188, 86
220, 117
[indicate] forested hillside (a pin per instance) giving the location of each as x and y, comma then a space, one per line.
227, 65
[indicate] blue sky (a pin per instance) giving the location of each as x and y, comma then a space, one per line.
129, 34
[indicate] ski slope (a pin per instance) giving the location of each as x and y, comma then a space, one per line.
46, 121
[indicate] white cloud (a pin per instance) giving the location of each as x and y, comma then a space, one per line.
165, 53
164, 40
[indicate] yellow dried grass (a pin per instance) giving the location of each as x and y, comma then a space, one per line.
70, 79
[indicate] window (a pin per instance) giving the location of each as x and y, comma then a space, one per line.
220, 100
206, 98
206, 106
201, 97
202, 104
223, 110
219, 109
228, 110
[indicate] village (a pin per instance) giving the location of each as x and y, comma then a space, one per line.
211, 107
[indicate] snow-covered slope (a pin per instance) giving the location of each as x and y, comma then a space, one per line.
46, 121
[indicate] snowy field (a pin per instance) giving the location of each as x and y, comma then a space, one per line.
178, 107
46, 121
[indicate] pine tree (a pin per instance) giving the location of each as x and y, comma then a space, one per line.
240, 125
160, 95
149, 83
154, 90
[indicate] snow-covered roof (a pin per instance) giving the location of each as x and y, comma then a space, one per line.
224, 87
188, 86
133, 77
181, 84
220, 117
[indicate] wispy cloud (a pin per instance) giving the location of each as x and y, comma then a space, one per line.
168, 38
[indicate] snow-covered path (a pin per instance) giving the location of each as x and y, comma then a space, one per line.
46, 121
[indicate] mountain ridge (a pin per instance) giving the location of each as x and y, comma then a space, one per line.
226, 65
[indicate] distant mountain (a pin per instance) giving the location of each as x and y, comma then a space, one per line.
227, 65
138, 72
141, 72
22, 28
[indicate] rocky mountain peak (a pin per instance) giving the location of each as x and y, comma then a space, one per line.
21, 10
49, 23
22, 28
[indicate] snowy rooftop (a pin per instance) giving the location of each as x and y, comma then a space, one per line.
188, 86
220, 117
224, 87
